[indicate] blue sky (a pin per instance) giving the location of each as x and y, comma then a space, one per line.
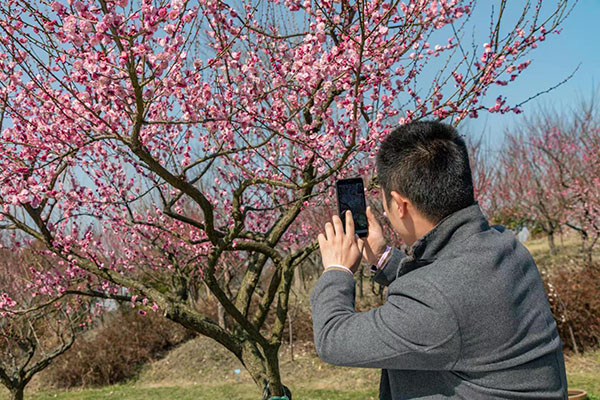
553, 61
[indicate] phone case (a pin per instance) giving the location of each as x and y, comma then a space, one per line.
359, 213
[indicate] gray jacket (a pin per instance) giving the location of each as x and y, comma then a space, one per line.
466, 317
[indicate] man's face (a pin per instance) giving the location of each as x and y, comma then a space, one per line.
385, 209
391, 214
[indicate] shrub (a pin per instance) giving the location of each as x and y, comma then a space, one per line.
115, 351
573, 296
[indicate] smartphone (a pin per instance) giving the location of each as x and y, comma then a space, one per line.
351, 196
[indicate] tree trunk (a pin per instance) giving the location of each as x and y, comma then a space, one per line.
587, 249
221, 315
263, 367
17, 394
583, 241
573, 339
373, 286
299, 279
291, 337
360, 282
587, 255
260, 359
551, 243
274, 386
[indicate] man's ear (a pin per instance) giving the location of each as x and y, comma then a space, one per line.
400, 203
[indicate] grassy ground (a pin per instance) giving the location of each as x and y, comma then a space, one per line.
584, 373
202, 370
568, 252
202, 392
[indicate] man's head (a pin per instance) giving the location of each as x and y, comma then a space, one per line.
423, 169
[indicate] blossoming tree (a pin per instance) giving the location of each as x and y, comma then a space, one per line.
549, 175
146, 142
522, 190
34, 330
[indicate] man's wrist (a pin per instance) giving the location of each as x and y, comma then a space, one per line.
382, 260
340, 268
381, 253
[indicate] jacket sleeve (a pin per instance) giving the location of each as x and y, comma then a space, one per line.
414, 329
387, 273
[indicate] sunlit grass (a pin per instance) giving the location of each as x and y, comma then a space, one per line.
241, 391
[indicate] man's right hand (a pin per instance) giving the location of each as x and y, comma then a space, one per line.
374, 244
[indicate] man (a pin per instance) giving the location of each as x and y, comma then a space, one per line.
466, 315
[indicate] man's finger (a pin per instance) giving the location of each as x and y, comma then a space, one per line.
337, 224
371, 218
361, 245
369, 213
329, 232
322, 240
349, 224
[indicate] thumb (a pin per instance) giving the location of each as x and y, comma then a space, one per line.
360, 243
371, 217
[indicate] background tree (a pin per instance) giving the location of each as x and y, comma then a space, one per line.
582, 143
34, 330
146, 140
550, 174
484, 170
522, 196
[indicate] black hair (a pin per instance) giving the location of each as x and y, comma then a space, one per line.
426, 162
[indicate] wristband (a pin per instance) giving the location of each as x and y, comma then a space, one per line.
340, 266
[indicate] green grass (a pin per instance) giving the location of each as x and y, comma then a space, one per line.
246, 391
133, 392
584, 373
589, 383
242, 391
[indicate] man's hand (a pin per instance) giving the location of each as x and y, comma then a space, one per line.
338, 247
374, 245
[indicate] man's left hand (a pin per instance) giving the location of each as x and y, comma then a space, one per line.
338, 247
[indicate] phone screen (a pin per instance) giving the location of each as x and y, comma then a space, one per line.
351, 196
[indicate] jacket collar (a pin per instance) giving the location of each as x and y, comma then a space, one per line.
454, 228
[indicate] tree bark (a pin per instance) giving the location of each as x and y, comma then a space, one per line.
263, 367
587, 255
583, 241
551, 244
274, 385
573, 340
260, 360
291, 337
17, 393
360, 282
221, 315
299, 279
